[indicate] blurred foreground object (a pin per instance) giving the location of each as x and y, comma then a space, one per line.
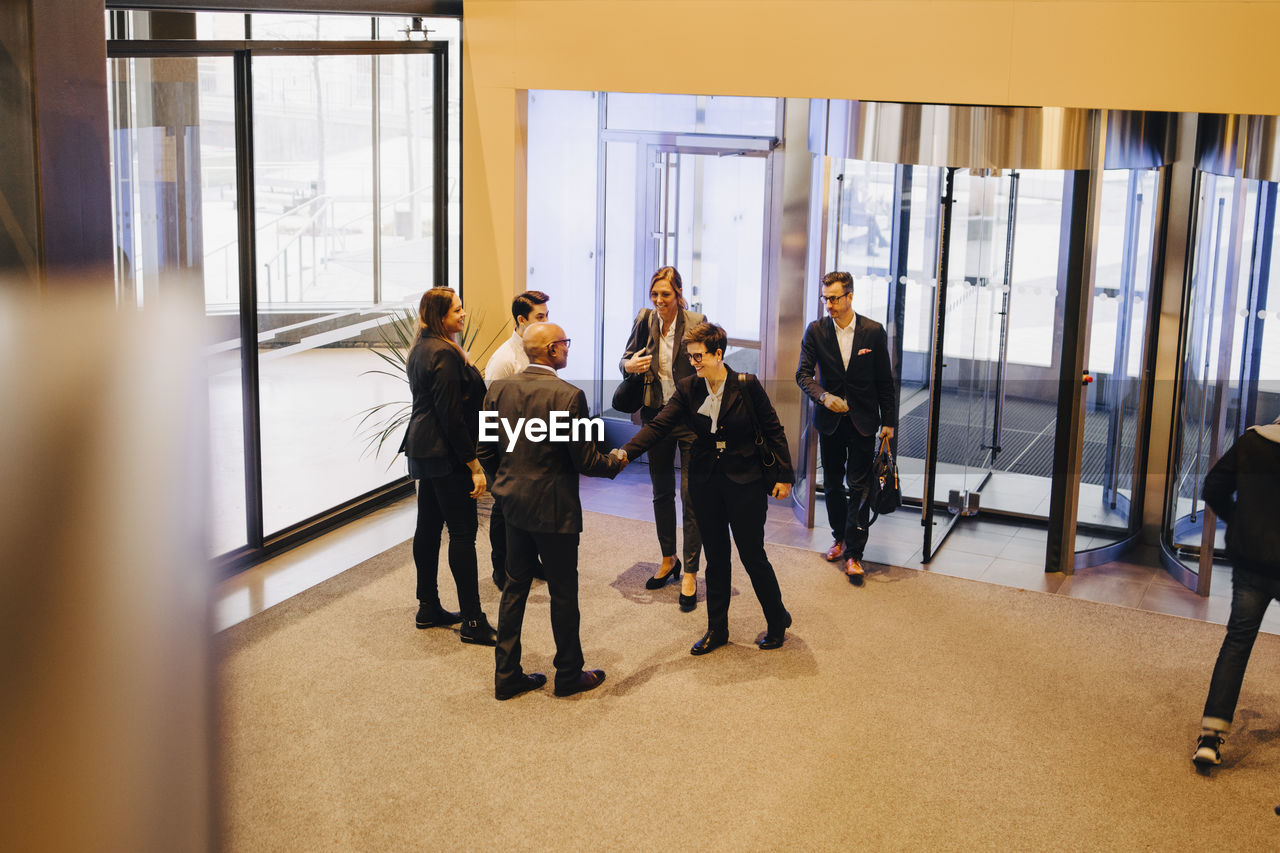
106, 730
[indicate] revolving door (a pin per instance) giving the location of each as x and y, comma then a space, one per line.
967, 268
1230, 345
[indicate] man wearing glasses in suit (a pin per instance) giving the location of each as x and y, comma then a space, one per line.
537, 482
856, 396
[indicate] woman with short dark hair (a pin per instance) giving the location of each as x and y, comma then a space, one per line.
655, 355
440, 445
725, 411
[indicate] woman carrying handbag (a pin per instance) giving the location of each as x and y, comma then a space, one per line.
653, 362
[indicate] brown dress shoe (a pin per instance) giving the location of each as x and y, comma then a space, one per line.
853, 568
835, 552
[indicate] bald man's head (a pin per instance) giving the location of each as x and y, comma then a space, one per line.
545, 343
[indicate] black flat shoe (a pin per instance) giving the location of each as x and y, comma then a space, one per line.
478, 632
523, 684
710, 641
656, 582
435, 616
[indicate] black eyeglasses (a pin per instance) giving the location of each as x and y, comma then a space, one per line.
565, 341
832, 300
695, 357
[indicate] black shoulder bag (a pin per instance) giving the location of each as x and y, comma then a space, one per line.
628, 397
773, 467
883, 493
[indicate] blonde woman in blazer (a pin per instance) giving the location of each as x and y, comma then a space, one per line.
655, 354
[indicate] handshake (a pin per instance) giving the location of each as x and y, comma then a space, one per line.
619, 454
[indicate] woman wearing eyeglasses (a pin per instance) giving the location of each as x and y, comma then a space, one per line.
727, 479
656, 352
440, 445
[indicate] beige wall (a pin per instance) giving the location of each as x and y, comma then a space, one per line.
1197, 55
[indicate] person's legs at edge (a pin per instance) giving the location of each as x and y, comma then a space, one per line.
1250, 596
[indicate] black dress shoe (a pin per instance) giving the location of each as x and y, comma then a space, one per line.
656, 582
499, 579
710, 641
435, 616
523, 684
588, 680
775, 636
478, 632
688, 603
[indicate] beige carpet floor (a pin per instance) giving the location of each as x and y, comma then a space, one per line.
919, 712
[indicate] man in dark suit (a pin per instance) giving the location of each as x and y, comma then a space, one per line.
856, 394
537, 482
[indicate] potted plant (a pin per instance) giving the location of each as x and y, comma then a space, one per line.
397, 332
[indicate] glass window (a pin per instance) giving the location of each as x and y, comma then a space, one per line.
716, 114
564, 141
294, 27
345, 190
406, 166
671, 113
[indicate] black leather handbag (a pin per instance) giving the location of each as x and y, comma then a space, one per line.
884, 493
774, 471
628, 397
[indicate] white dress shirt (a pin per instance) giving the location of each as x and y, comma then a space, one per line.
844, 337
666, 354
507, 360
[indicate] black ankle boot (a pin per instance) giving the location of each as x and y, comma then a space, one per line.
478, 632
432, 615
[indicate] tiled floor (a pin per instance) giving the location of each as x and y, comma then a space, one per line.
990, 551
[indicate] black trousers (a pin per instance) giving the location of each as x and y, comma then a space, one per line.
846, 474
444, 501
498, 544
662, 460
498, 541
723, 506
559, 553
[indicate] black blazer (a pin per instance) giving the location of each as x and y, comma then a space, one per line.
447, 393
739, 460
867, 384
1241, 489
538, 481
649, 334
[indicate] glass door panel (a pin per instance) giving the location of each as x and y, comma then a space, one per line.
174, 209
1231, 378
707, 214
965, 389
1119, 318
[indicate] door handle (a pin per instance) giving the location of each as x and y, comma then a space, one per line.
1086, 379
